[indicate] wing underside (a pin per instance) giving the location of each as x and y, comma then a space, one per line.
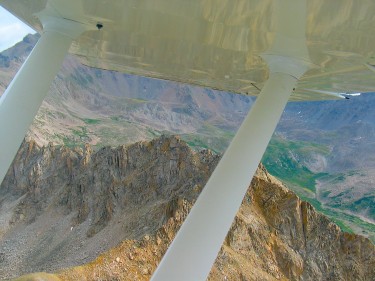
218, 44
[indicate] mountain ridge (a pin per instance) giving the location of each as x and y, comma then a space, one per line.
94, 204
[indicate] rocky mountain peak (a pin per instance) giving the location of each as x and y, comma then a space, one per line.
110, 214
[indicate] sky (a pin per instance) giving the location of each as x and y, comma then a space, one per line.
12, 30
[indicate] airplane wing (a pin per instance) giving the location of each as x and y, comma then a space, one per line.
217, 44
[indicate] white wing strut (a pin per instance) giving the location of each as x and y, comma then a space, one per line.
196, 245
23, 97
194, 250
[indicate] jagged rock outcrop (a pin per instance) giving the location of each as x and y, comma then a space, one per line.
275, 236
61, 207
64, 207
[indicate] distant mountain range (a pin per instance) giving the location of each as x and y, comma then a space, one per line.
324, 150
88, 105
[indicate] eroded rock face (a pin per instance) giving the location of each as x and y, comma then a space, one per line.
275, 236
284, 237
63, 207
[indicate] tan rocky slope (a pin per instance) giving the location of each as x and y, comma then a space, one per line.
61, 208
275, 236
